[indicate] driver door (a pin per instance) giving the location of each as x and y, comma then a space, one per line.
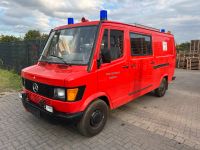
113, 77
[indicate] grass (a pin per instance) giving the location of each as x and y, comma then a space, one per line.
9, 81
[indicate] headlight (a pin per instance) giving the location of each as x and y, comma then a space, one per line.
71, 94
59, 93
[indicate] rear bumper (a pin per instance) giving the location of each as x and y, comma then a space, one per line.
33, 108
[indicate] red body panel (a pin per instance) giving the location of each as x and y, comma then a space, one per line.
119, 85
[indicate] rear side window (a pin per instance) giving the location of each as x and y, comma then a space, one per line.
140, 44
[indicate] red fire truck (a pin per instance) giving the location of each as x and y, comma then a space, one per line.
90, 67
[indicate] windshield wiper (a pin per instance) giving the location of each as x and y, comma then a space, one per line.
61, 59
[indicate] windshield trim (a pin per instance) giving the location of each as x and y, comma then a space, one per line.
94, 47
71, 64
75, 27
81, 24
78, 64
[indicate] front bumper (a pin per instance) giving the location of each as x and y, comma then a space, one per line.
40, 111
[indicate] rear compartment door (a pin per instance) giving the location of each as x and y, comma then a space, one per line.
113, 78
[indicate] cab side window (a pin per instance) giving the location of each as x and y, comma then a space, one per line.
104, 42
113, 41
116, 44
141, 45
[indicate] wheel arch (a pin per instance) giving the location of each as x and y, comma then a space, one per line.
166, 76
101, 95
105, 99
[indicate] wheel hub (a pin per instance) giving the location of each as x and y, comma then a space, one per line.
96, 117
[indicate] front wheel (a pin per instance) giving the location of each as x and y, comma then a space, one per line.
161, 90
94, 118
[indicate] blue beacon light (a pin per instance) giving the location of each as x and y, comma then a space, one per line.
70, 20
162, 30
103, 15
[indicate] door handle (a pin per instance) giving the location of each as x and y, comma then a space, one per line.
126, 66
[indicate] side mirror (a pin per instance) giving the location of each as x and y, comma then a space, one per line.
106, 56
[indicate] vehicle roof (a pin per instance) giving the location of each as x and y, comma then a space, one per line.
111, 22
77, 25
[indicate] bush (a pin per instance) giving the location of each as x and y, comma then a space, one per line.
9, 81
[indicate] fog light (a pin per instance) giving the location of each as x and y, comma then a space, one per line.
49, 108
20, 95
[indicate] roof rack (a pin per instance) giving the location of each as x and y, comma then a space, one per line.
146, 27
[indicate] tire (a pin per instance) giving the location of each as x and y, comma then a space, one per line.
94, 118
161, 90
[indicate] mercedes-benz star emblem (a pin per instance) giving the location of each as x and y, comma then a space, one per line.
35, 87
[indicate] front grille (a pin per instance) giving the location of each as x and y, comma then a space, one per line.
43, 89
48, 90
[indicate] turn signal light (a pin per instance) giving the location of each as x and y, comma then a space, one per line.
71, 94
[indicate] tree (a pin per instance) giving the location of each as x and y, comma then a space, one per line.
32, 35
44, 36
9, 38
183, 47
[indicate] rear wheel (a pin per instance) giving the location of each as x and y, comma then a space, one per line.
161, 90
94, 118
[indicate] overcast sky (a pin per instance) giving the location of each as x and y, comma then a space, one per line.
182, 17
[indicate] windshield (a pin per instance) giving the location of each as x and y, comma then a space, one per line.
70, 46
